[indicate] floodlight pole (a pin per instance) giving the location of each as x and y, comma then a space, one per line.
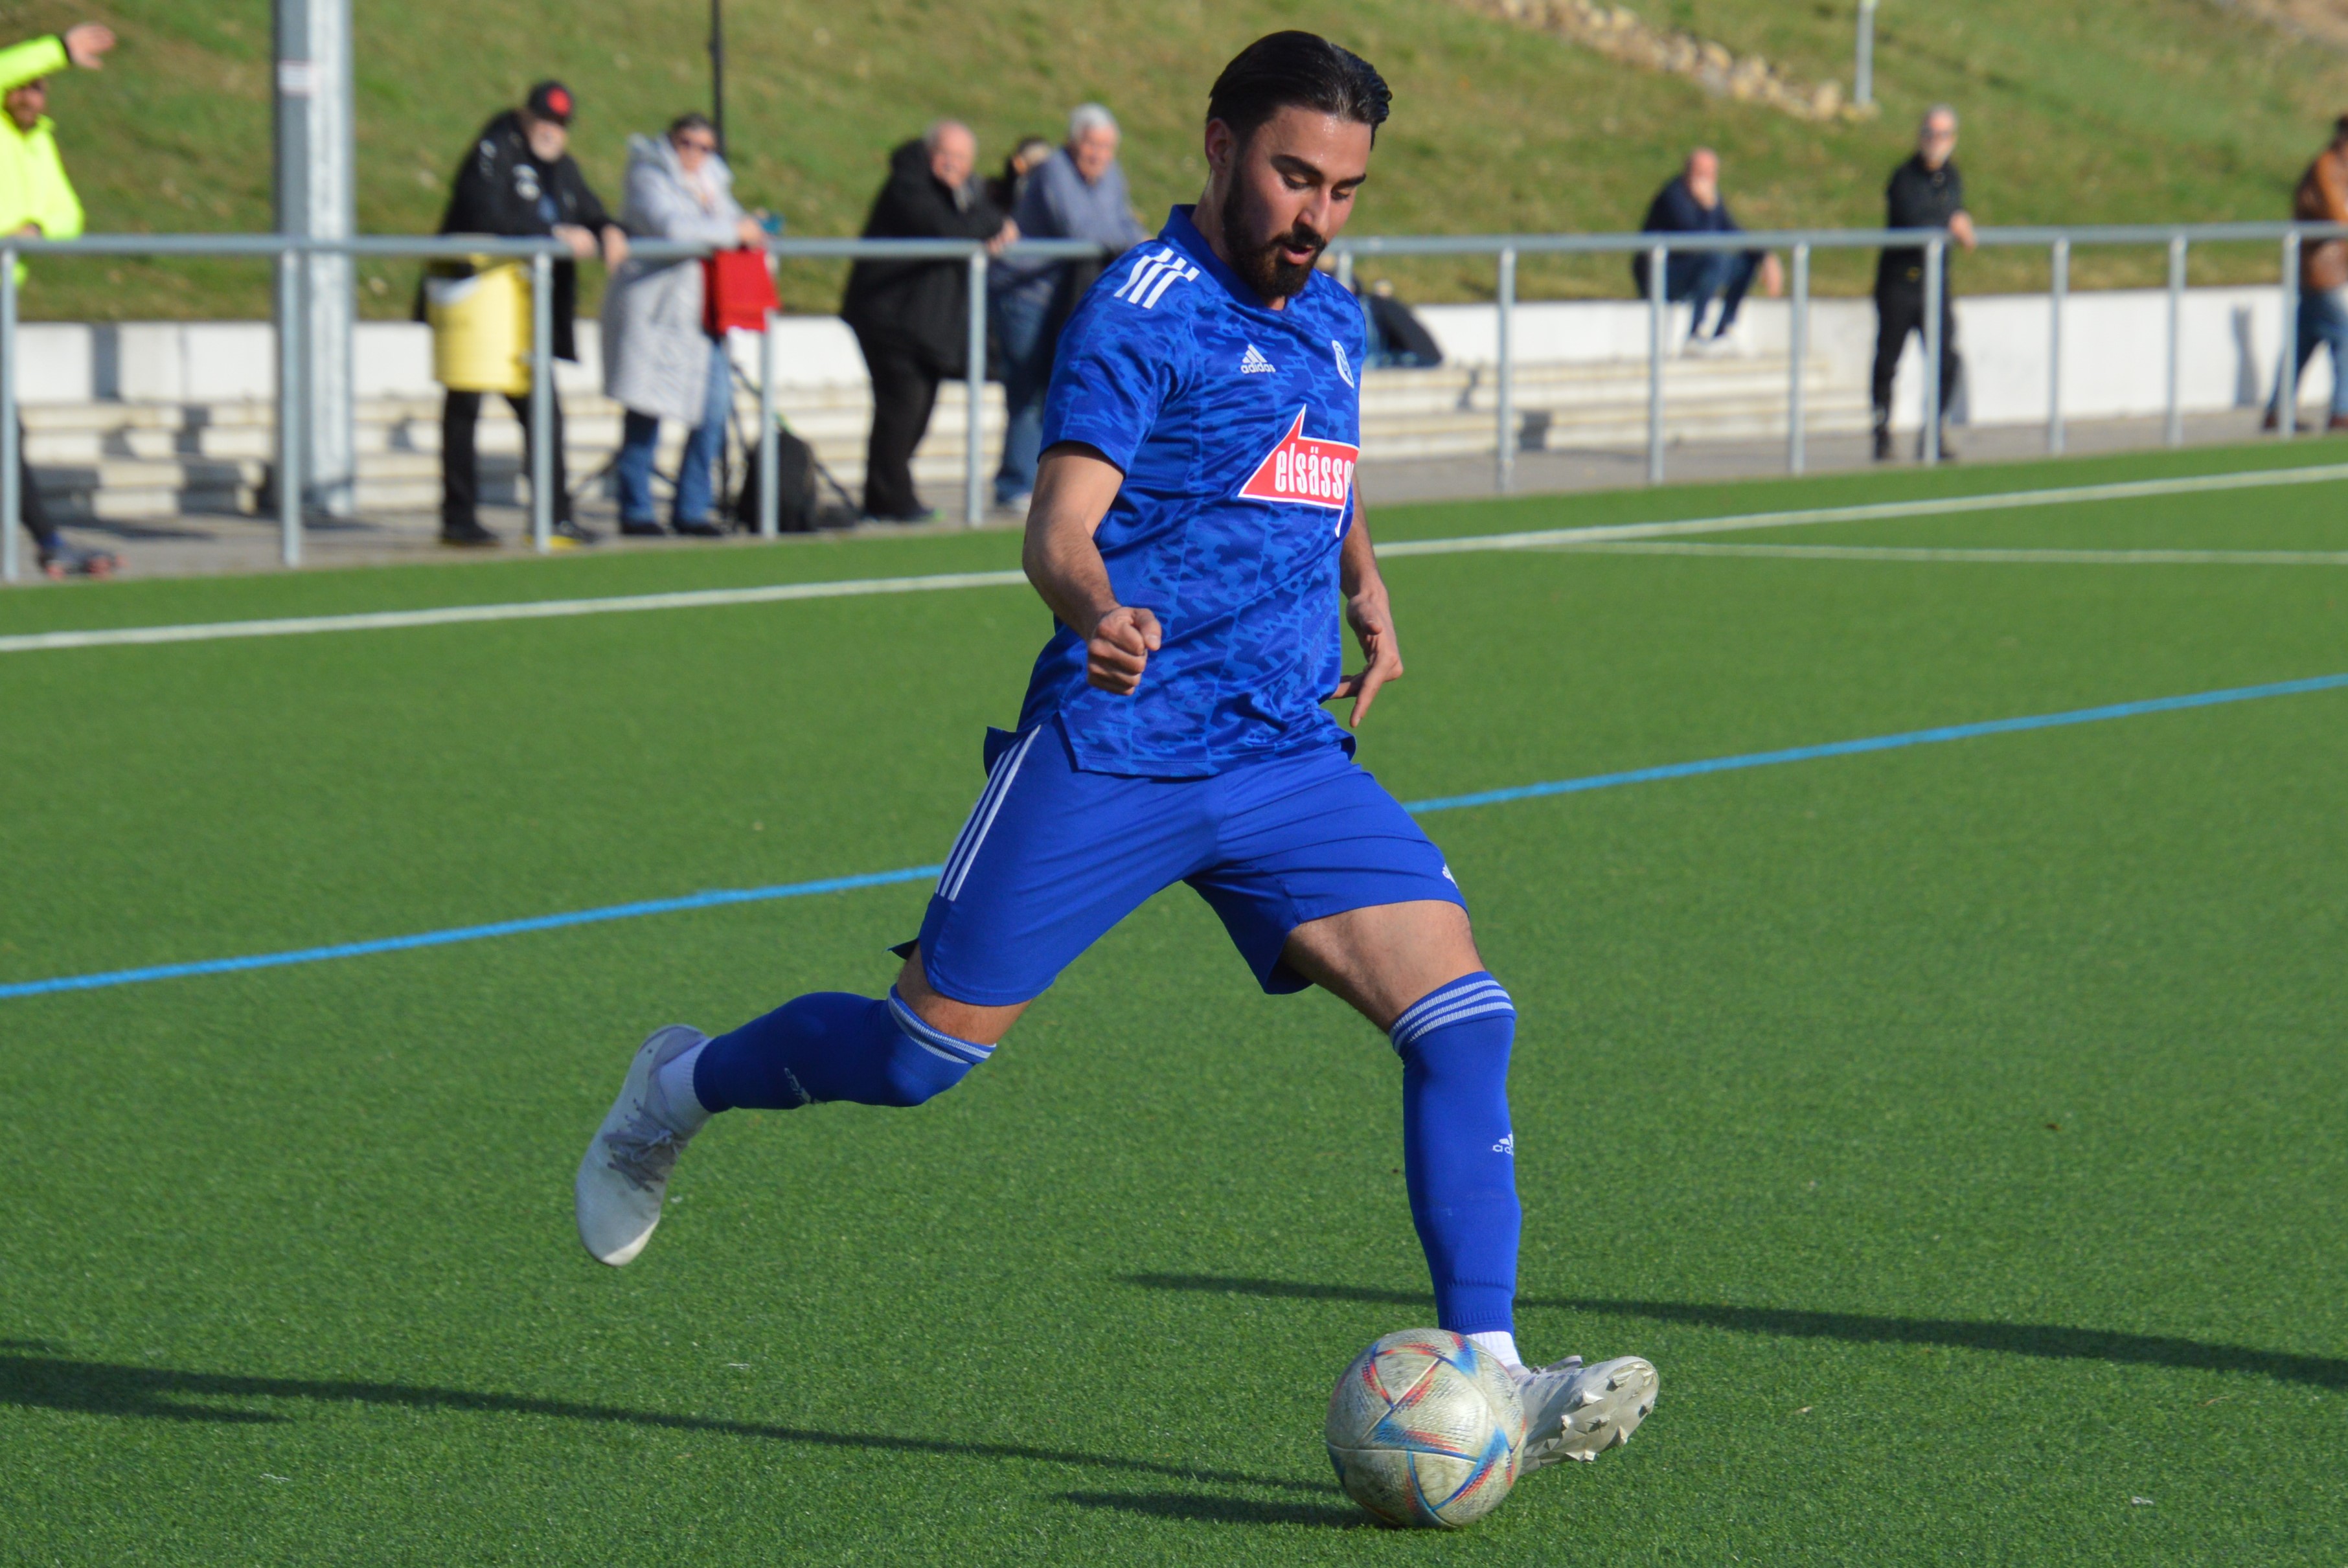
717, 72
1862, 87
317, 199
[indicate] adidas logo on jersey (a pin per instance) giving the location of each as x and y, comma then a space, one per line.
1254, 364
1151, 276
1507, 1146
1305, 470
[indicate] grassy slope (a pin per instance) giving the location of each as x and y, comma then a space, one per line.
2132, 111
289, 1275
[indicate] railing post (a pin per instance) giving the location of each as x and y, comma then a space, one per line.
1503, 392
2058, 291
1798, 351
12, 503
974, 475
2175, 427
1658, 260
542, 401
770, 484
1346, 271
1936, 260
2287, 373
289, 405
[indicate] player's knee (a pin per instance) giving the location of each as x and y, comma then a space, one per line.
924, 1061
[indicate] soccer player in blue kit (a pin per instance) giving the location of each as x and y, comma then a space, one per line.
1196, 535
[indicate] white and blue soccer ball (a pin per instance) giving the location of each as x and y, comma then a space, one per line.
1426, 1430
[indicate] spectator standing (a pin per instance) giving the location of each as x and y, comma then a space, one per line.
1005, 189
521, 181
2323, 197
1926, 192
659, 361
1078, 192
38, 201
911, 318
1690, 203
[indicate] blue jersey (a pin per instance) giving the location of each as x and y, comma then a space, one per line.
1237, 428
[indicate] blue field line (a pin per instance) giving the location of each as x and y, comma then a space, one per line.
718, 897
1880, 743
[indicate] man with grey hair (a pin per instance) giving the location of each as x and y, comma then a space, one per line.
911, 318
1925, 192
1077, 193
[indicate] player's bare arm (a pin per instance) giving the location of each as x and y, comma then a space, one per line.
1370, 614
1073, 487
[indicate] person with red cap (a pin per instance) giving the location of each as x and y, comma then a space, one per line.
520, 180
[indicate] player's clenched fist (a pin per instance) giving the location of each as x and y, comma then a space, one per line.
1119, 648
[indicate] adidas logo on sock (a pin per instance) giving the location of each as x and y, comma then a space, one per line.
1254, 364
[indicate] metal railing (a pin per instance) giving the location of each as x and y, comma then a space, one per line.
1505, 250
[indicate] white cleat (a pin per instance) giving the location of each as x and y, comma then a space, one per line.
624, 1174
1577, 1412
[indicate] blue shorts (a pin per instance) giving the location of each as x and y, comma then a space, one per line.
1051, 857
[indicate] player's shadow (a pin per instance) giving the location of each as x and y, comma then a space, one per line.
2009, 1338
33, 1376
1206, 1508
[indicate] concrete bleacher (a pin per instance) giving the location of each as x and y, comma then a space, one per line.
130, 459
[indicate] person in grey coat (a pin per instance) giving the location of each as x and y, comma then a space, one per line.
1077, 193
659, 362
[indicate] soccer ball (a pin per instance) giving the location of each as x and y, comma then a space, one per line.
1425, 1428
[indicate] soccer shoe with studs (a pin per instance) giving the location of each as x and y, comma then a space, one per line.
624, 1175
1577, 1412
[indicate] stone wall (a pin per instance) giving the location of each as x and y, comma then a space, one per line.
1621, 34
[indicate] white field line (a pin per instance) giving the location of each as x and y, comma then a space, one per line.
2023, 557
1544, 539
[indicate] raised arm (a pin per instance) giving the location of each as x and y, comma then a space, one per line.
1073, 487
1370, 615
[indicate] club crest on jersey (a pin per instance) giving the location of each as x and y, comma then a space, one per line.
1305, 470
1344, 367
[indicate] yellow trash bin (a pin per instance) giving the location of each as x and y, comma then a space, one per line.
480, 328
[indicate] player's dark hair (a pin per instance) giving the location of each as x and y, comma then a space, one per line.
1298, 70
693, 121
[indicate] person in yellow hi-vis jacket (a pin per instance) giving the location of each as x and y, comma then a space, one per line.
38, 201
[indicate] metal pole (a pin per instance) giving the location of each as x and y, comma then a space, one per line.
317, 199
973, 474
1504, 459
2175, 431
717, 73
1658, 260
1863, 89
770, 484
2286, 375
2058, 291
289, 405
1936, 260
1346, 271
1797, 348
542, 401
12, 504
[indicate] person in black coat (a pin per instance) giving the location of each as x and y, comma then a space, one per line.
520, 180
1926, 192
911, 318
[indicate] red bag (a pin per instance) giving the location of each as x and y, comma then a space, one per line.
736, 290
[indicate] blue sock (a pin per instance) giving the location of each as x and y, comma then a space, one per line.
832, 1045
1459, 1155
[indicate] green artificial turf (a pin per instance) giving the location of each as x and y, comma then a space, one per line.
1957, 1128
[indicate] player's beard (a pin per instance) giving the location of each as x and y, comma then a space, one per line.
1265, 270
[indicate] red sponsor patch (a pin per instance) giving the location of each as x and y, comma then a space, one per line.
1304, 471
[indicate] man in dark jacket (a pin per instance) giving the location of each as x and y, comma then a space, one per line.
520, 180
1691, 203
912, 318
1925, 192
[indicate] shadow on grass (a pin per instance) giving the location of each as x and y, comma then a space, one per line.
1204, 1508
45, 1381
2009, 1338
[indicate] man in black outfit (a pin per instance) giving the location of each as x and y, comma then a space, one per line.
1925, 192
912, 318
520, 180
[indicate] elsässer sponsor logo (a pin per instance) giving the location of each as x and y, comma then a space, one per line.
1305, 470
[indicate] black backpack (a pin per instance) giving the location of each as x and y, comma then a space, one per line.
794, 493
